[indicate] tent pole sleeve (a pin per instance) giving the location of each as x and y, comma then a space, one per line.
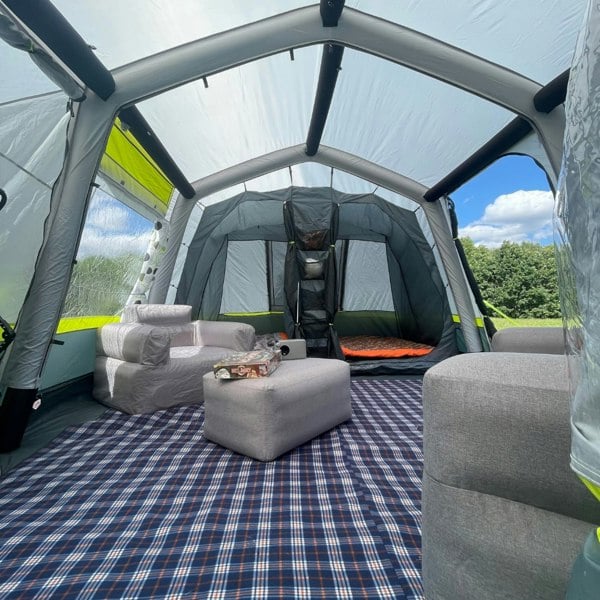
49, 25
331, 61
456, 276
143, 133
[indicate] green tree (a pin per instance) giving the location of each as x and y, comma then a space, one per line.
520, 279
101, 285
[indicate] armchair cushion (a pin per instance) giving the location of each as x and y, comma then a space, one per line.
503, 514
173, 318
157, 314
498, 423
237, 336
134, 343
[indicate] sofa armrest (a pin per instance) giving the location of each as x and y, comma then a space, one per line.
225, 334
545, 340
134, 342
498, 424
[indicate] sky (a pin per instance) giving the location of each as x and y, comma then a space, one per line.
511, 200
113, 229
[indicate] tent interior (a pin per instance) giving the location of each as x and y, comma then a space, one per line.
386, 284
289, 165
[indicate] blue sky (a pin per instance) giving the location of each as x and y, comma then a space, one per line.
511, 200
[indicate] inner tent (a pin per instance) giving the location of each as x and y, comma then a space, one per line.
391, 308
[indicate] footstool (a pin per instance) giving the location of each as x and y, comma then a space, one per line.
267, 416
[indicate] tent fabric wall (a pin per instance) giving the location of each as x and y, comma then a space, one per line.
245, 281
32, 146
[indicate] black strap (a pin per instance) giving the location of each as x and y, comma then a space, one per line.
3, 198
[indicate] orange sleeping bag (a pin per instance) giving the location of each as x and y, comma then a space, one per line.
372, 346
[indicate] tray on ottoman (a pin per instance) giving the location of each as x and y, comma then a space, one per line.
267, 416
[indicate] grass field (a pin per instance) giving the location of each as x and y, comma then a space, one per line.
504, 323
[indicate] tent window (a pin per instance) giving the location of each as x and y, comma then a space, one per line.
110, 256
245, 282
367, 279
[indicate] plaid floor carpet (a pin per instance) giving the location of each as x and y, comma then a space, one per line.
144, 507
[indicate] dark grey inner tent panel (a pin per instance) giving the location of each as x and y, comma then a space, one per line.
420, 309
310, 284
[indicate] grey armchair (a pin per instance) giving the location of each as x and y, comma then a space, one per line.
156, 356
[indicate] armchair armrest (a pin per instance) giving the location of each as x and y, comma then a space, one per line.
134, 342
545, 340
225, 334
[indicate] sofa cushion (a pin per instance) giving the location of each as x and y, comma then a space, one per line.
237, 336
175, 319
135, 388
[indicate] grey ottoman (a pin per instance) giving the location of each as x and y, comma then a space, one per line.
265, 417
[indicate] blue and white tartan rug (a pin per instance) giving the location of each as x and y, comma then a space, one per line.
144, 507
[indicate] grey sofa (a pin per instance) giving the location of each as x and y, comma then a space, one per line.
156, 357
503, 514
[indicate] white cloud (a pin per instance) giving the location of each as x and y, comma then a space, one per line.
112, 229
95, 242
516, 217
109, 217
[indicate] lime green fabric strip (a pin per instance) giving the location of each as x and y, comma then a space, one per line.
127, 163
67, 324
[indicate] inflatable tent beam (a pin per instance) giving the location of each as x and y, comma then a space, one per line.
330, 12
546, 100
357, 30
552, 94
503, 141
48, 24
331, 61
143, 133
348, 163
42, 18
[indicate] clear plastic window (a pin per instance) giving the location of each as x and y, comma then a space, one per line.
111, 252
